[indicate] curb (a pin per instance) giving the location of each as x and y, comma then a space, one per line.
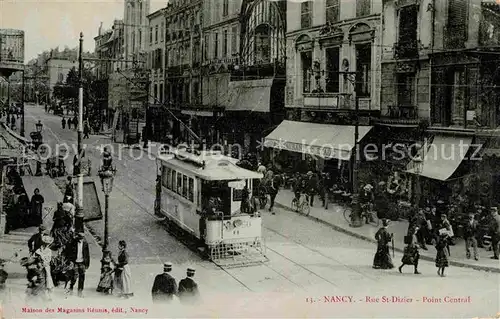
368, 239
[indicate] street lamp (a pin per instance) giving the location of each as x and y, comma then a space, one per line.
419, 165
107, 176
356, 208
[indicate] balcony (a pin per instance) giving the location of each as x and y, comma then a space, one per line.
400, 115
406, 49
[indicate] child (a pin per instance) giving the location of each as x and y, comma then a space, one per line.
442, 253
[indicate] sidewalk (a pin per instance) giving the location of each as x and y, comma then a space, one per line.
334, 218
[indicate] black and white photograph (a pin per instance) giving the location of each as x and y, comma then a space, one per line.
249, 159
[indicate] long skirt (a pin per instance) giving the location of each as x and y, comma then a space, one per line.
382, 258
106, 281
442, 258
123, 281
410, 255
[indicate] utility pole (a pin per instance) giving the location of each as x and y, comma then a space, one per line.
78, 164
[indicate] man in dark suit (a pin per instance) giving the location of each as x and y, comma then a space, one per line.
164, 287
470, 234
78, 252
188, 288
35, 241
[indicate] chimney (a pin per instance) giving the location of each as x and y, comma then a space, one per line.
100, 29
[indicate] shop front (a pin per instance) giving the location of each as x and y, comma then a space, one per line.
298, 147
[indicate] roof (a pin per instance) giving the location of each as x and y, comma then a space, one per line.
216, 167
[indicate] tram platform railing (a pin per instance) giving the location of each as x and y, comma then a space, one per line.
241, 252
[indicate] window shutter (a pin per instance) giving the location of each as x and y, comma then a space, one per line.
457, 21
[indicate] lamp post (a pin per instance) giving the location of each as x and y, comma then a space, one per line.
38, 143
419, 163
356, 208
78, 171
22, 106
107, 178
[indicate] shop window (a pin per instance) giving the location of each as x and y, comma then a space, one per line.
306, 59
332, 10
306, 14
363, 66
191, 190
179, 184
262, 44
184, 186
406, 89
363, 8
332, 68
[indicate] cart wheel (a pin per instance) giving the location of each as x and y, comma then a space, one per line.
294, 205
347, 214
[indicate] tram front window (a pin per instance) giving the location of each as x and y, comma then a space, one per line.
216, 197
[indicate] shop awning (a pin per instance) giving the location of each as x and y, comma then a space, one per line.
252, 96
442, 157
324, 140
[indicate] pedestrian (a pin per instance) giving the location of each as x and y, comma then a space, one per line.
68, 191
245, 201
411, 255
419, 221
442, 253
23, 208
382, 259
164, 286
274, 188
312, 185
86, 130
106, 281
79, 254
328, 185
444, 225
13, 122
35, 241
70, 122
3, 278
63, 123
495, 232
123, 275
37, 201
75, 123
470, 233
45, 255
61, 229
188, 288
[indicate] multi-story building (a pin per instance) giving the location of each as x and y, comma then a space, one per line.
182, 62
244, 68
333, 64
58, 68
440, 83
158, 117
109, 48
135, 30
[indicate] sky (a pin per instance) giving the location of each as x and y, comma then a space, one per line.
51, 23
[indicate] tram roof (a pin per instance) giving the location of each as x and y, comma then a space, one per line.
216, 168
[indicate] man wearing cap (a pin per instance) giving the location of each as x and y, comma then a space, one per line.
470, 234
164, 286
79, 253
188, 288
35, 241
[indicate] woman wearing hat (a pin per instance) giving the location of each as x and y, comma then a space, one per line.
382, 259
105, 285
410, 253
44, 253
123, 276
442, 252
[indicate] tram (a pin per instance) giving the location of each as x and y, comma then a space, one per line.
201, 193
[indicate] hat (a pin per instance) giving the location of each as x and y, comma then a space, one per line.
191, 270
42, 228
309, 173
167, 266
381, 184
368, 186
47, 240
385, 222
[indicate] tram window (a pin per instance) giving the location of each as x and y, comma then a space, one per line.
168, 173
191, 190
179, 184
165, 176
171, 182
184, 186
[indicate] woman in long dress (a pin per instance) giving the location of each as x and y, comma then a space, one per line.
123, 275
37, 201
382, 259
442, 254
45, 255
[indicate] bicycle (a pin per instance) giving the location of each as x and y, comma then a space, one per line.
302, 204
368, 215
